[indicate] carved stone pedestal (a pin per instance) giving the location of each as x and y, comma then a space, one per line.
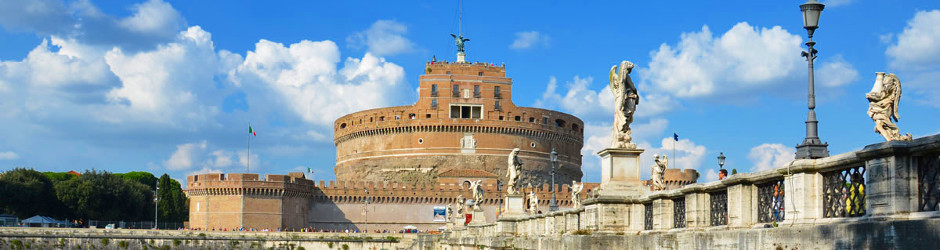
479, 216
515, 205
620, 172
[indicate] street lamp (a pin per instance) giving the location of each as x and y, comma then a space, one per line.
553, 206
721, 160
812, 147
156, 199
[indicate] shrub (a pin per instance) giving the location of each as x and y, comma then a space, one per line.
104, 241
330, 245
345, 247
122, 244
581, 232
176, 242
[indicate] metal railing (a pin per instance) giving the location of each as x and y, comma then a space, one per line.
678, 213
928, 183
134, 224
719, 207
844, 192
648, 216
770, 201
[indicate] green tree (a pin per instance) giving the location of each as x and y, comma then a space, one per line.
173, 206
100, 195
27, 192
141, 177
57, 177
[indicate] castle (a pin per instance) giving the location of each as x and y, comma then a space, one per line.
401, 166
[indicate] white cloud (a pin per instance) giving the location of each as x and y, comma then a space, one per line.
769, 156
154, 17
916, 57
836, 72
221, 158
529, 39
8, 155
304, 79
745, 59
383, 38
244, 160
186, 156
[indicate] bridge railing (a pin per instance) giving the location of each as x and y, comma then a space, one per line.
890, 180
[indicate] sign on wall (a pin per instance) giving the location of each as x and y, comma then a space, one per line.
440, 214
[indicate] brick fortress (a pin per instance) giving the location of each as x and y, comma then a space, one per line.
397, 165
464, 119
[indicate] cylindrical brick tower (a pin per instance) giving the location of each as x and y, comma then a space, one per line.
464, 119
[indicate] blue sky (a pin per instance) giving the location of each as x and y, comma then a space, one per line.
171, 86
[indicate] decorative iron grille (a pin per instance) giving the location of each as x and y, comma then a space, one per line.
928, 183
678, 213
648, 220
770, 206
844, 192
719, 208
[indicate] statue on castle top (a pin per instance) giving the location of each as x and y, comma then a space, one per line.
659, 170
533, 202
460, 40
515, 167
883, 106
477, 188
576, 194
626, 98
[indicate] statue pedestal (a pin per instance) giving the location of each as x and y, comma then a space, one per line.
515, 205
620, 171
461, 57
479, 216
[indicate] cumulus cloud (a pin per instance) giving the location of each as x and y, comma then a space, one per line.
529, 39
154, 17
916, 56
8, 155
383, 38
185, 156
770, 155
597, 136
744, 59
305, 79
836, 72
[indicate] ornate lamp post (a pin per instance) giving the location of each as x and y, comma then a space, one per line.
721, 160
156, 199
553, 206
812, 147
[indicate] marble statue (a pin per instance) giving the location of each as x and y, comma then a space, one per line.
449, 212
460, 205
659, 169
515, 167
626, 98
533, 202
460, 40
477, 188
883, 106
576, 194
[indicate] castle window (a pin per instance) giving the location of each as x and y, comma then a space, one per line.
433, 104
411, 116
342, 126
397, 117
456, 90
476, 91
480, 73
381, 118
434, 90
427, 116
544, 120
518, 118
448, 72
466, 111
496, 93
497, 108
559, 123
500, 118
574, 126
532, 119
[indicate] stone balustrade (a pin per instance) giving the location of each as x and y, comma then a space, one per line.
890, 181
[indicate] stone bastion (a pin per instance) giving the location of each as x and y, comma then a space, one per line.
464, 119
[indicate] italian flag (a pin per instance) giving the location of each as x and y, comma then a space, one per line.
252, 131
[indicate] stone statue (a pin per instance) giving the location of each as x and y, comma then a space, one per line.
576, 194
626, 98
533, 202
460, 205
477, 188
449, 212
883, 106
460, 40
659, 169
515, 167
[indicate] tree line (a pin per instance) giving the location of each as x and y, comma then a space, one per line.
94, 195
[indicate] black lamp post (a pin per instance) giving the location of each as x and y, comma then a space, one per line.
721, 160
553, 205
812, 147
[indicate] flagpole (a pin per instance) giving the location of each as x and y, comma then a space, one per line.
248, 166
675, 138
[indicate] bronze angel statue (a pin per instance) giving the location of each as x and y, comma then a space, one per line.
460, 40
883, 106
